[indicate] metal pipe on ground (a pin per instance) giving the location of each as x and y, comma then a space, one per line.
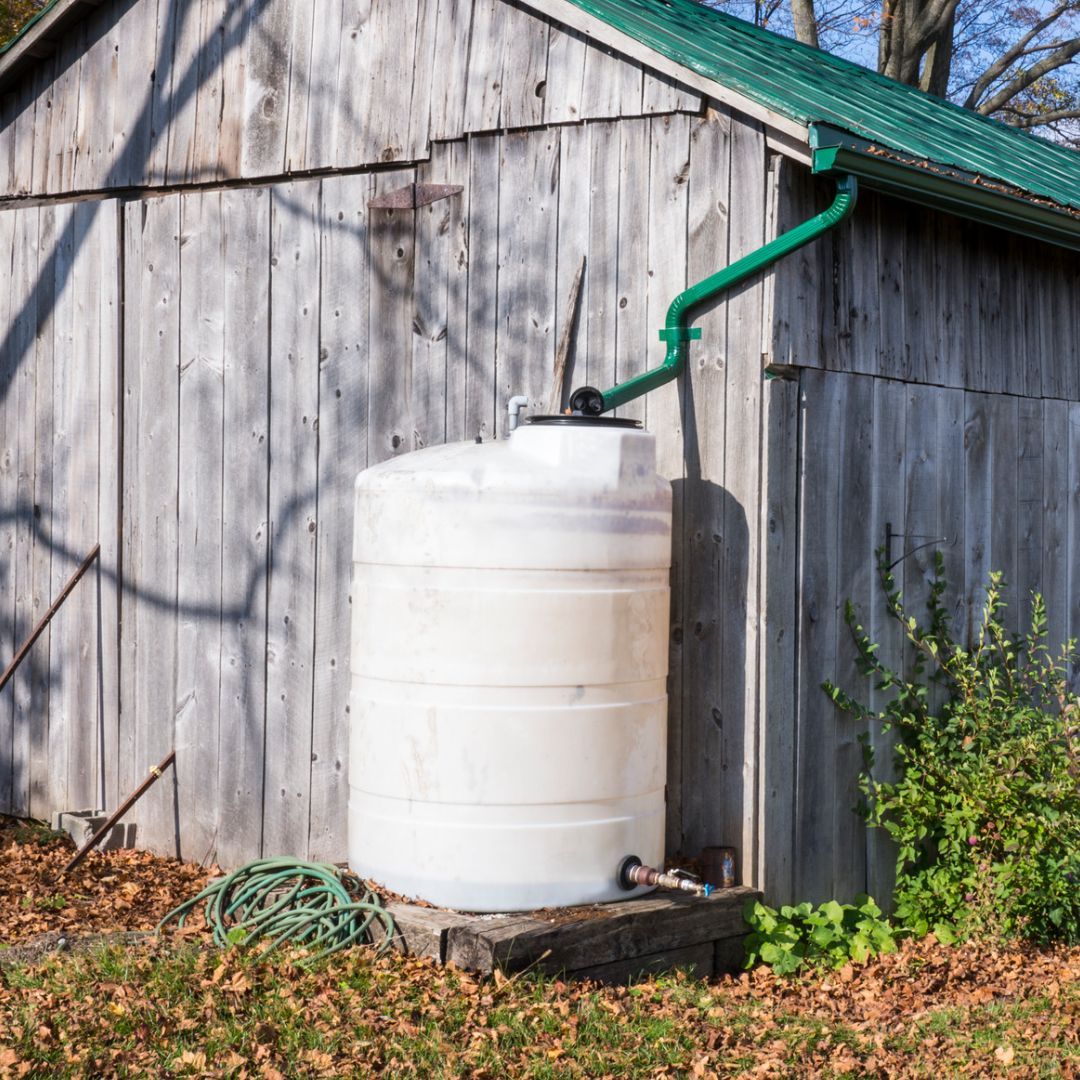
45, 619
120, 811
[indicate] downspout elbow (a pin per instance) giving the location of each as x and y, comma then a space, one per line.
678, 333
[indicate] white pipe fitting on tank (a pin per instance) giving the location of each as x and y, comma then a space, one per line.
514, 407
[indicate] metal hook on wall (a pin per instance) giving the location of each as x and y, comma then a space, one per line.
928, 541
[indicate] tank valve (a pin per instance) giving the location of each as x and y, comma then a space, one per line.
632, 873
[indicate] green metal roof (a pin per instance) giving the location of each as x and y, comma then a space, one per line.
861, 113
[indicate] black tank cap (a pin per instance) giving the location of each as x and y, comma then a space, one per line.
585, 421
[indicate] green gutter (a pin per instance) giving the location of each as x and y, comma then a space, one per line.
926, 184
678, 332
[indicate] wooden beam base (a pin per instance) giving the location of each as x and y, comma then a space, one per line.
608, 942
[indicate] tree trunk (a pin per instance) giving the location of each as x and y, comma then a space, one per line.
806, 31
937, 64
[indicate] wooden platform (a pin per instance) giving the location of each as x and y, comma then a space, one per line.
610, 942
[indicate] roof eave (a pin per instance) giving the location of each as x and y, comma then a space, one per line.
40, 38
964, 198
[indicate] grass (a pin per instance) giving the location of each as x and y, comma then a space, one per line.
184, 1010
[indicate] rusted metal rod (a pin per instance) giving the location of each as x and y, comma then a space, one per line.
124, 807
45, 619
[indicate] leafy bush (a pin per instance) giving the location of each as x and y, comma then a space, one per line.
986, 813
830, 935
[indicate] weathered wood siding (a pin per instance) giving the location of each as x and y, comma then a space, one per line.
278, 339
174, 92
915, 295
997, 476
59, 366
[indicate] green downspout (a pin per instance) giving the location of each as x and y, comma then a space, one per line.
678, 332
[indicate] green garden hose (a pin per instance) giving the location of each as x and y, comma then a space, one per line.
289, 901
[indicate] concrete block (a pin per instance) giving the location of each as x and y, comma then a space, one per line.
80, 825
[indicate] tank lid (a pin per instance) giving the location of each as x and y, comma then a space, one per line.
585, 421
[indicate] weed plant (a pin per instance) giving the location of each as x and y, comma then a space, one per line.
986, 810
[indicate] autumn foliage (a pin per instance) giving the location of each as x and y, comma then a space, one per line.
14, 14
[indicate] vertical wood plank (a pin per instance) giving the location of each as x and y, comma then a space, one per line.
303, 84
326, 86
611, 84
528, 221
575, 200
391, 235
600, 304
564, 101
635, 340
245, 216
1054, 581
290, 599
824, 398
483, 90
993, 329
862, 319
483, 247
774, 871
62, 659
45, 109
524, 66
76, 448
426, 72
266, 83
1004, 493
892, 352
21, 255
107, 573
427, 342
34, 299
662, 94
708, 770
447, 120
856, 581
919, 356
343, 447
1029, 509
10, 766
456, 159
161, 98
888, 507
669, 150
1073, 559
740, 601
185, 65
233, 80
151, 418
199, 508
210, 101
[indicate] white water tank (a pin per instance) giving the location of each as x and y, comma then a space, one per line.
509, 661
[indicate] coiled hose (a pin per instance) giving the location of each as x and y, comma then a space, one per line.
291, 902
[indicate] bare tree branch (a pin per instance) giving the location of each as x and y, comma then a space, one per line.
1024, 120
1031, 75
1002, 64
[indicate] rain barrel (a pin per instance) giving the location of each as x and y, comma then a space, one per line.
509, 660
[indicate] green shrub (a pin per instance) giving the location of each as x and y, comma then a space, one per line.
986, 813
830, 935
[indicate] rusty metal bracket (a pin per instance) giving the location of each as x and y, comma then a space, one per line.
413, 196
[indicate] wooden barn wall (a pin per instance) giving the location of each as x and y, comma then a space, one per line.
912, 294
997, 477
176, 92
276, 339
59, 351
